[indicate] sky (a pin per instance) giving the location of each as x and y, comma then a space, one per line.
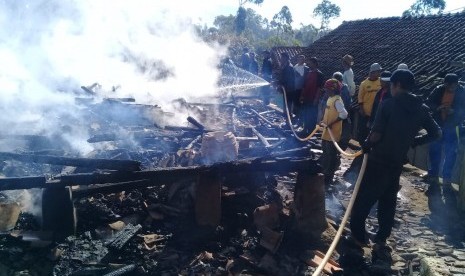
302, 9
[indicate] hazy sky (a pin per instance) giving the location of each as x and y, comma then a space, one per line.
302, 9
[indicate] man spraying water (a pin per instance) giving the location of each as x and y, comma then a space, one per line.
394, 131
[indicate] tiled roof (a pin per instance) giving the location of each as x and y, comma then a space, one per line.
426, 44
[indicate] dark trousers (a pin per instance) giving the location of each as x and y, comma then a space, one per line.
346, 134
293, 101
265, 93
363, 129
308, 114
448, 142
330, 161
380, 184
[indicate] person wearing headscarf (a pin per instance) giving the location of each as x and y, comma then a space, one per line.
333, 116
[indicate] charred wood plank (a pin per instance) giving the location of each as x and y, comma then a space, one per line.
122, 165
88, 91
262, 117
135, 135
122, 271
193, 142
196, 123
112, 188
188, 129
168, 175
124, 100
123, 236
18, 183
261, 138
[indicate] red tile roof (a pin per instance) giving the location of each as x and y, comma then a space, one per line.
426, 44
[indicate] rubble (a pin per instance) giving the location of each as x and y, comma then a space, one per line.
259, 210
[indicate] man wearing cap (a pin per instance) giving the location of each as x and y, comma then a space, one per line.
447, 102
348, 76
366, 96
383, 94
403, 66
395, 130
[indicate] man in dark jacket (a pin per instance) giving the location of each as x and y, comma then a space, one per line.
447, 102
310, 96
286, 79
394, 131
253, 66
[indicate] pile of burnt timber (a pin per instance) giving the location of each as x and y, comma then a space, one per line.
149, 201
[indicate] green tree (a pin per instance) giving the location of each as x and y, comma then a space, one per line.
326, 11
306, 35
282, 21
241, 14
425, 7
243, 2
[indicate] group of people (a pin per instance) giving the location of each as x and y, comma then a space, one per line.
390, 118
314, 100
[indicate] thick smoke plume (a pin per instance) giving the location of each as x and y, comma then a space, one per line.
141, 49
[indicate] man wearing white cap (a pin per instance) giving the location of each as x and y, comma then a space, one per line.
366, 96
403, 66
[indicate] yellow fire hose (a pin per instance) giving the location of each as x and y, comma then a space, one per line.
331, 249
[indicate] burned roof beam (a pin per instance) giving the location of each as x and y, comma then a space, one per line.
110, 164
166, 175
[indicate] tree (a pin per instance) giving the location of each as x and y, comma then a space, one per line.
425, 7
241, 15
282, 20
243, 2
326, 11
306, 35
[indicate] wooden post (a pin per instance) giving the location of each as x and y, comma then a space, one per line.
310, 211
208, 200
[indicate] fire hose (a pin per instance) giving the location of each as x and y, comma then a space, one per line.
288, 117
354, 194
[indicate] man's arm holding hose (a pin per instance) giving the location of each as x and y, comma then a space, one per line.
377, 131
433, 131
343, 114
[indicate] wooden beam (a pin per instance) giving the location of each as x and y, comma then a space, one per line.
122, 165
167, 175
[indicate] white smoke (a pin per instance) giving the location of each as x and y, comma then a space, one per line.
48, 49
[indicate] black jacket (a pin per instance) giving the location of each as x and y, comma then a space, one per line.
435, 100
267, 69
398, 121
287, 78
300, 79
376, 103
